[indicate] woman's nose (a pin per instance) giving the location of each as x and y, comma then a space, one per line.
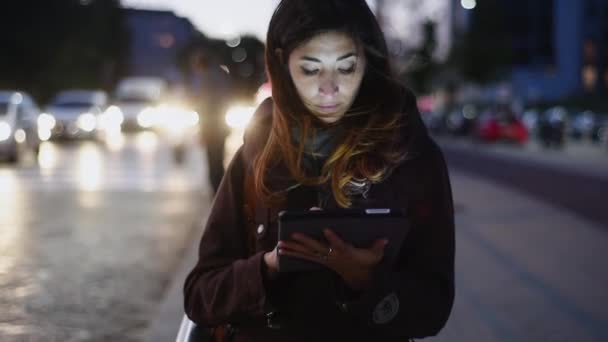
328, 87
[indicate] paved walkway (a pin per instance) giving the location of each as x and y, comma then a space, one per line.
526, 271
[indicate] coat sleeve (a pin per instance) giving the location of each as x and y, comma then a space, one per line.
226, 285
415, 298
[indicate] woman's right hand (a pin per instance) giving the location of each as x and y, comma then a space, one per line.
272, 262
271, 258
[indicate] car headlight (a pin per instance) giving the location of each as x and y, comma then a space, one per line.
112, 118
181, 120
147, 117
20, 136
239, 116
46, 122
175, 119
44, 134
87, 122
5, 131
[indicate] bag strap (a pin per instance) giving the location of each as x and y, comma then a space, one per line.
253, 211
255, 138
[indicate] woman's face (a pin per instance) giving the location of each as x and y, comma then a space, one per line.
327, 72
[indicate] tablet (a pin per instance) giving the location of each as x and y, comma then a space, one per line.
359, 227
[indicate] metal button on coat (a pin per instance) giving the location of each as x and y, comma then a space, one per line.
261, 229
387, 309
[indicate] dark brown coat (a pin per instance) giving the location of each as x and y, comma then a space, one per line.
229, 284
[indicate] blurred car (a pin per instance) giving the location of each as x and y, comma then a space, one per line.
434, 121
462, 121
530, 117
76, 113
599, 132
582, 125
177, 122
500, 123
137, 98
18, 125
239, 114
552, 127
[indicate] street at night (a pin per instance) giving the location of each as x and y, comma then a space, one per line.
90, 237
118, 119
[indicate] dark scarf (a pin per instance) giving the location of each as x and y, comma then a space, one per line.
317, 148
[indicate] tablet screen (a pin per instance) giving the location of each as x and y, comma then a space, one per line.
359, 227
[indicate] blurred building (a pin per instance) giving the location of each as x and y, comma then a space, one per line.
594, 47
156, 39
559, 47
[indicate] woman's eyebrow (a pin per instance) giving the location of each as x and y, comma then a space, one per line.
312, 59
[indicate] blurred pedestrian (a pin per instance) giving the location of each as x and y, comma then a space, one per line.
339, 132
210, 93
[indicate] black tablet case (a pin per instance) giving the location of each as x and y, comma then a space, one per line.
360, 227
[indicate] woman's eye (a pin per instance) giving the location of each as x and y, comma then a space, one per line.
309, 72
347, 71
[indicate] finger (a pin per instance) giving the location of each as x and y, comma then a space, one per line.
298, 247
335, 241
326, 259
310, 243
295, 254
307, 253
378, 247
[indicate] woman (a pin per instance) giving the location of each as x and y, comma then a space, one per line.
339, 132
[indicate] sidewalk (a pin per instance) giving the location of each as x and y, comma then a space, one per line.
583, 158
525, 271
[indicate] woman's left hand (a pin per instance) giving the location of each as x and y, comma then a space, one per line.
354, 265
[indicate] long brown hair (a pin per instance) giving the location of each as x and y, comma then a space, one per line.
372, 144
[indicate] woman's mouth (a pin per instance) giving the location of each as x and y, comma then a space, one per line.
328, 108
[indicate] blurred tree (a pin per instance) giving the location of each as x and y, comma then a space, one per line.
51, 45
184, 54
247, 64
242, 56
424, 66
483, 52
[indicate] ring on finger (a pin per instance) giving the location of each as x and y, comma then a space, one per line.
325, 256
